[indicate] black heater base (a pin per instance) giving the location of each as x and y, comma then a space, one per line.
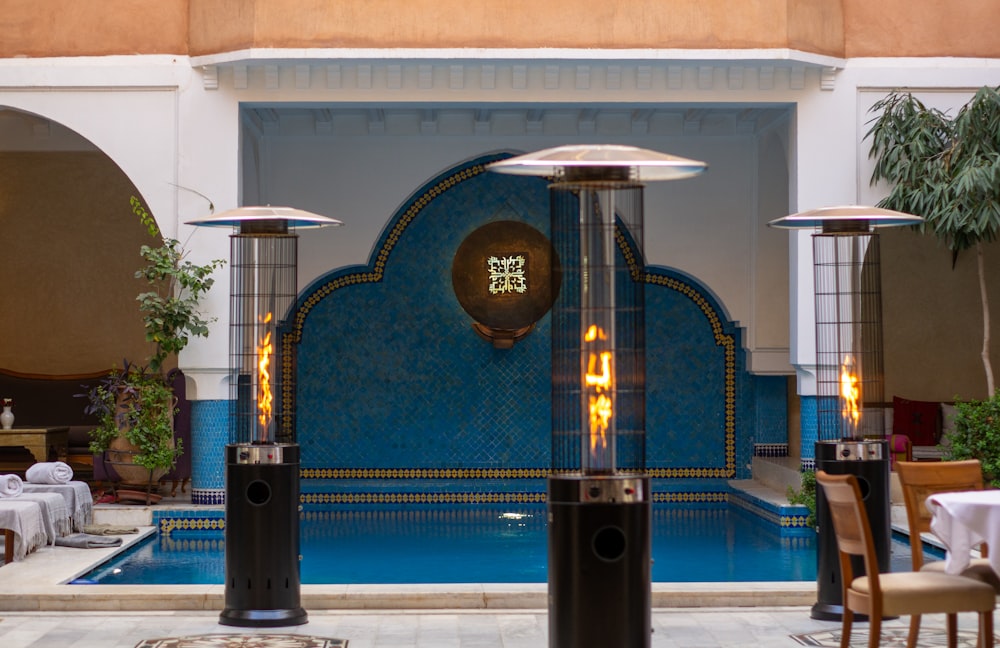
600, 567
263, 618
868, 461
262, 537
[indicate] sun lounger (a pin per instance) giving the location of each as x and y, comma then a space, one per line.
55, 514
23, 519
79, 501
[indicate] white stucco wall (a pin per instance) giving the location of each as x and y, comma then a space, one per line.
832, 165
174, 129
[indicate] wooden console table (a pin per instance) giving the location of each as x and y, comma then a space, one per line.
45, 444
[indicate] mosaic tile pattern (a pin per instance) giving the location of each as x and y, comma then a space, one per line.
770, 449
208, 496
445, 398
375, 494
391, 377
171, 521
891, 636
790, 518
809, 423
770, 404
691, 398
210, 434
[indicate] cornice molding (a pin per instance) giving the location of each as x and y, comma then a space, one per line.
453, 55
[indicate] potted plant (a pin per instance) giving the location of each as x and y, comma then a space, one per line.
135, 405
944, 169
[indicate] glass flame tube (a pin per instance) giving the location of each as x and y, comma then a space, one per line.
263, 276
848, 332
598, 337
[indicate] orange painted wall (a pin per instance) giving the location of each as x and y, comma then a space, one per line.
922, 28
842, 28
233, 24
38, 28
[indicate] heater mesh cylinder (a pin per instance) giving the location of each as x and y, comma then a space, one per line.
598, 329
263, 290
849, 364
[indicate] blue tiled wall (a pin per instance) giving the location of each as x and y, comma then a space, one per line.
809, 417
210, 420
392, 381
771, 404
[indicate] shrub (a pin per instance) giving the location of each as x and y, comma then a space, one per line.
806, 496
977, 435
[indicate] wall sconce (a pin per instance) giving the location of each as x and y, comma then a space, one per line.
505, 275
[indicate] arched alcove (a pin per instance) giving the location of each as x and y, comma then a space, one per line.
392, 382
71, 248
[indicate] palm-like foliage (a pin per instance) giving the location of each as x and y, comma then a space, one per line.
945, 170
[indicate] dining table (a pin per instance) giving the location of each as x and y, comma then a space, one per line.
963, 520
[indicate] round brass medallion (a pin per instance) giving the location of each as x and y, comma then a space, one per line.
505, 275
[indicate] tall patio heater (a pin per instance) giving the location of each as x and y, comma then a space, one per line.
598, 495
262, 586
849, 376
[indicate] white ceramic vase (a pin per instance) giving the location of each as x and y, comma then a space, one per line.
7, 418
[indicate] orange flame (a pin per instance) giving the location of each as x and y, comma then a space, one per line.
265, 397
600, 400
850, 391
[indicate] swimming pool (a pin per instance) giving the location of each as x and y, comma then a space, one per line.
492, 543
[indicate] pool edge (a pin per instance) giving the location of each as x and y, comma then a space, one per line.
395, 597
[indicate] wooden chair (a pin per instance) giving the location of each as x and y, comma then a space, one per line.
921, 479
896, 594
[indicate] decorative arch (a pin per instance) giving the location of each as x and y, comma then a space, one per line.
391, 381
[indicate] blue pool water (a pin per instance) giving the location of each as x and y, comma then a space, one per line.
500, 543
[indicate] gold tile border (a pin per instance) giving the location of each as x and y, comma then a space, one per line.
167, 525
424, 473
424, 498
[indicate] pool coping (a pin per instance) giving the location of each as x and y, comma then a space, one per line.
390, 597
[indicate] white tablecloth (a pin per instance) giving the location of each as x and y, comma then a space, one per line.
55, 514
963, 520
24, 518
79, 501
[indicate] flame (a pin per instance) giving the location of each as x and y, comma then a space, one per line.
600, 399
850, 391
265, 397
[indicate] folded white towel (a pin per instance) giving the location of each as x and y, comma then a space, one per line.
11, 486
49, 472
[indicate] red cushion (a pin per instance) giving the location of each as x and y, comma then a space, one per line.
919, 420
899, 449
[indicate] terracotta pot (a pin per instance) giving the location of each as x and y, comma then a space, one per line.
120, 456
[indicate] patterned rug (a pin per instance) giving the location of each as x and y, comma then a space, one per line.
892, 637
243, 641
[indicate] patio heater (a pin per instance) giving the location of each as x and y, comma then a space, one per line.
262, 586
599, 559
849, 376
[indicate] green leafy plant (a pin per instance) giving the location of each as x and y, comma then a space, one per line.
170, 306
947, 171
169, 309
102, 402
136, 403
977, 435
805, 496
